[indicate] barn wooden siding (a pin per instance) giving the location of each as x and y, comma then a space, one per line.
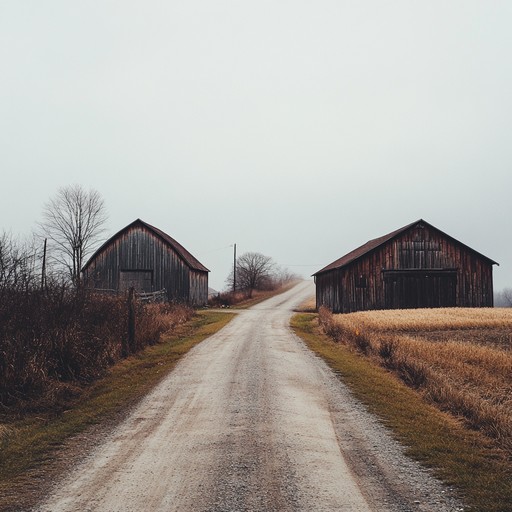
416, 266
146, 258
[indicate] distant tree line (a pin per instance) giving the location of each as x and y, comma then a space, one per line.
503, 299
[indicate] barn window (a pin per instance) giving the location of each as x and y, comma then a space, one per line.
361, 281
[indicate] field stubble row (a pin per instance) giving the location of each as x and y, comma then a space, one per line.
459, 359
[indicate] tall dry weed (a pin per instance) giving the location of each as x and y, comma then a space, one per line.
51, 341
153, 320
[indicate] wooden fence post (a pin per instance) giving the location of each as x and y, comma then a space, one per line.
129, 345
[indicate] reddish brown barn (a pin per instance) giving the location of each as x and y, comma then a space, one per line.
417, 266
146, 258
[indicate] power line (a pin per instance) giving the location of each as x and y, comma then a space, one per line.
303, 265
217, 250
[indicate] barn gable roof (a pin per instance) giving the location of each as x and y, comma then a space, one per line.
378, 242
191, 262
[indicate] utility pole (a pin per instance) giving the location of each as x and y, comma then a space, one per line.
234, 268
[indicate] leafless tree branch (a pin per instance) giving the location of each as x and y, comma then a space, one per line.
73, 221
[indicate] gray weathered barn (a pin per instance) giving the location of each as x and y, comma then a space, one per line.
417, 266
143, 257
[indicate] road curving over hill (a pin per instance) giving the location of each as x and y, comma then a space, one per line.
249, 420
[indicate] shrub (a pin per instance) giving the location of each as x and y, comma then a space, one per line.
153, 320
53, 340
334, 329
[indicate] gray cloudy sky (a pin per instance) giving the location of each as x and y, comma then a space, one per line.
299, 129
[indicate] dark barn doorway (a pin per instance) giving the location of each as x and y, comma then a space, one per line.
141, 280
406, 289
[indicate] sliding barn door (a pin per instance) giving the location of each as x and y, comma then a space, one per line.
420, 289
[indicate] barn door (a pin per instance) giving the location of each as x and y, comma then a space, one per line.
141, 280
420, 289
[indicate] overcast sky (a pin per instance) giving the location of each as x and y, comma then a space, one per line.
298, 129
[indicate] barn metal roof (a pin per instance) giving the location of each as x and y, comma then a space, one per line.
377, 242
192, 262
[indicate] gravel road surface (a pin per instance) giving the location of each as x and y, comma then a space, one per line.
250, 420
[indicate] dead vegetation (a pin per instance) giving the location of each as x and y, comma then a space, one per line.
53, 343
36, 448
56, 337
459, 359
308, 306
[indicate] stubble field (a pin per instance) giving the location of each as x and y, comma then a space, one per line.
459, 359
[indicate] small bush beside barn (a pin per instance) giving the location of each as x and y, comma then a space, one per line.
417, 266
147, 259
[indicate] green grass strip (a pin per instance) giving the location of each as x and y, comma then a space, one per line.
27, 444
460, 457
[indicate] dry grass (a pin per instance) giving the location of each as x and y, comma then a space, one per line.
308, 306
459, 359
53, 345
432, 319
29, 445
155, 320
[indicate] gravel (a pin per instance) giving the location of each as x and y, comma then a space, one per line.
250, 420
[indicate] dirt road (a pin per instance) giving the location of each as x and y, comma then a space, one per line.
250, 420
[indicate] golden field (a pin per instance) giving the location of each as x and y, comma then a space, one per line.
459, 358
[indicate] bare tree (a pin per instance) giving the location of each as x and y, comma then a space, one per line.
73, 222
503, 299
254, 271
18, 263
284, 276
